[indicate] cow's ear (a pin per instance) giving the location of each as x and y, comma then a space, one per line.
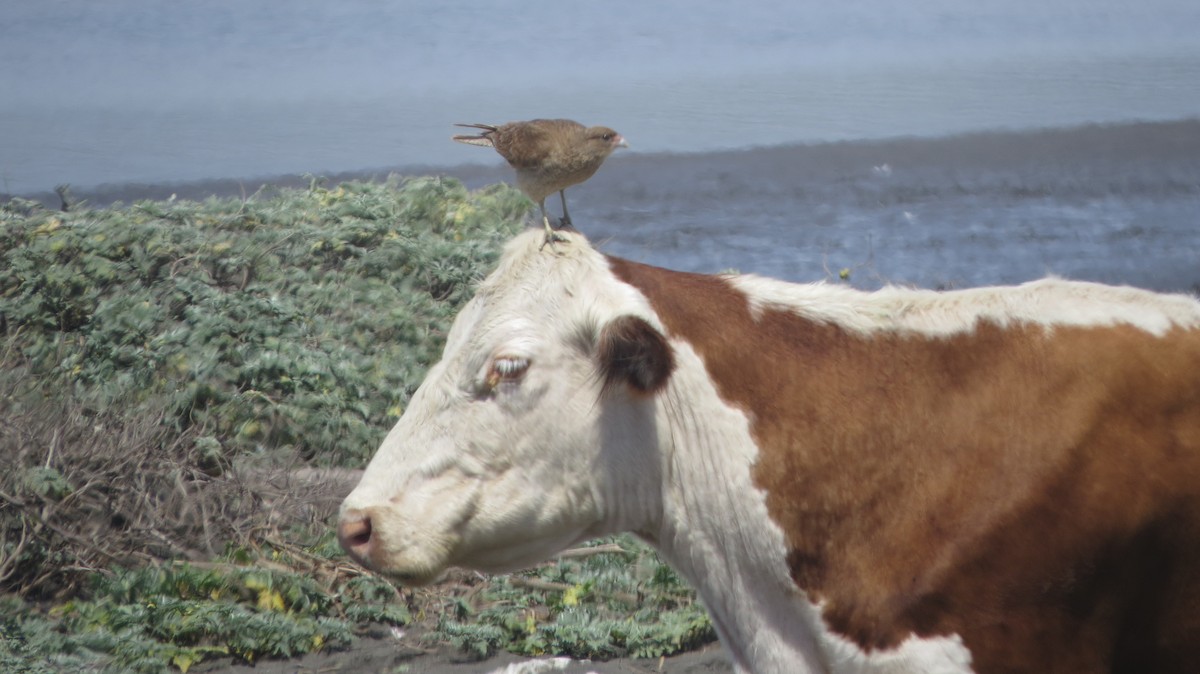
633, 353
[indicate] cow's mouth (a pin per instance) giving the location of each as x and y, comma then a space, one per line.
414, 579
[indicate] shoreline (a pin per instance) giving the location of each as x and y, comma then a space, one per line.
1000, 148
1111, 203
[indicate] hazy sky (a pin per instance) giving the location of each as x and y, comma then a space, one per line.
141, 90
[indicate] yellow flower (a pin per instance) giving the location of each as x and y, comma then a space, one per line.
270, 600
48, 226
573, 594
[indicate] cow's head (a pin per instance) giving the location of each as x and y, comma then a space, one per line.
535, 430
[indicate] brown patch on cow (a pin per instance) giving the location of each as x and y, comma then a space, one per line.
1034, 491
631, 352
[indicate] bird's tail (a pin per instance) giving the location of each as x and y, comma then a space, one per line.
483, 139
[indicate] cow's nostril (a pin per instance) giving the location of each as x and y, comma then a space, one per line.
354, 534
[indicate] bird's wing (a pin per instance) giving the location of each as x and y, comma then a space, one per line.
484, 139
530, 144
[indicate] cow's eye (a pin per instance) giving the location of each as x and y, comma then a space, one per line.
506, 368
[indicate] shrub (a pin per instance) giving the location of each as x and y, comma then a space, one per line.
596, 606
169, 369
298, 318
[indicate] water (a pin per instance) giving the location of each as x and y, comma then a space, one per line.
143, 91
1116, 204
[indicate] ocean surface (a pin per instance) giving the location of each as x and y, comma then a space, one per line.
929, 142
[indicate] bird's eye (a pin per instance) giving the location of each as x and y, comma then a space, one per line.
607, 136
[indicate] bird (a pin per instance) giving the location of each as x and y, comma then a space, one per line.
549, 156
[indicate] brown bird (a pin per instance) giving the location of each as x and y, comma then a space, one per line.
549, 155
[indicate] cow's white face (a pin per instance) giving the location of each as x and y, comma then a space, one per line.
514, 446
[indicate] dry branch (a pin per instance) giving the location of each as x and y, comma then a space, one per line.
128, 490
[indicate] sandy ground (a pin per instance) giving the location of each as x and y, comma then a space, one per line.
381, 653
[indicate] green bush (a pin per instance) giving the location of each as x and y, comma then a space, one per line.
180, 614
300, 318
32, 644
145, 351
154, 618
598, 607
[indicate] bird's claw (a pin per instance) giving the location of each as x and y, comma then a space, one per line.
552, 237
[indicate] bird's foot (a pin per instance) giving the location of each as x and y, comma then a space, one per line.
552, 237
565, 222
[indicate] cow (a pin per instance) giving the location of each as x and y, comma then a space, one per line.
997, 479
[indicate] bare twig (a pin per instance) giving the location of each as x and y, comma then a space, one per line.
551, 586
594, 550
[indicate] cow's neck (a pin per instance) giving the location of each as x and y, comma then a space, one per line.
717, 532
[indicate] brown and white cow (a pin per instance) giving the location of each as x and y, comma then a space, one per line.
990, 480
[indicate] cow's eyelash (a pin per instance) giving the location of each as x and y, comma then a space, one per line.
506, 368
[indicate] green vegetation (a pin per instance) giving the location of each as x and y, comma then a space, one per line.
597, 607
303, 319
182, 386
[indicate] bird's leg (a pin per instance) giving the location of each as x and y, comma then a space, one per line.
551, 235
566, 218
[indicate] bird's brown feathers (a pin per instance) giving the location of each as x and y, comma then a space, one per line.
526, 145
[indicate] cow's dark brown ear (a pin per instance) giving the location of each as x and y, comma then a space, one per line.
632, 352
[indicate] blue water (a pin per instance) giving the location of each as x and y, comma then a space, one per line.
1117, 204
152, 91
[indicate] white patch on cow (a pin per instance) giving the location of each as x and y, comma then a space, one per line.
1048, 302
937, 655
717, 532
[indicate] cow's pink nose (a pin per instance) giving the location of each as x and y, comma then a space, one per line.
354, 535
